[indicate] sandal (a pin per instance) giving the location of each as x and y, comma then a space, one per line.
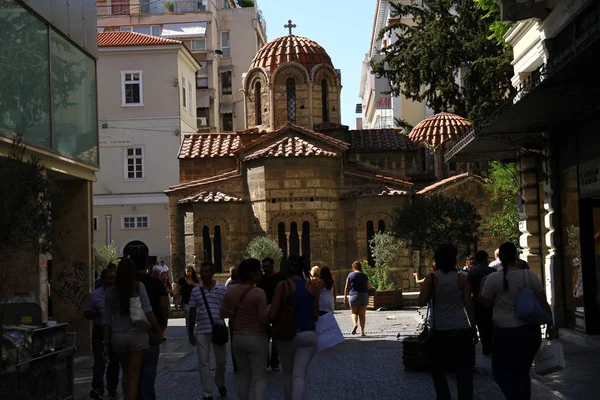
354, 329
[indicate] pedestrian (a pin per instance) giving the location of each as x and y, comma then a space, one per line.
296, 354
496, 264
159, 302
99, 282
232, 280
268, 283
483, 315
205, 304
164, 277
246, 305
418, 280
186, 284
327, 292
356, 295
127, 339
233, 277
453, 324
515, 342
94, 311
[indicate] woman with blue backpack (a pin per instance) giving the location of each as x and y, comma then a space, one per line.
519, 309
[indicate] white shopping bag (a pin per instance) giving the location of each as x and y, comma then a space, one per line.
550, 358
328, 332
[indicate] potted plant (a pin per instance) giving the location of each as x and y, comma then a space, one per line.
170, 6
386, 250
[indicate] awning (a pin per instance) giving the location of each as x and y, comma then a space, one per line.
182, 31
203, 101
226, 108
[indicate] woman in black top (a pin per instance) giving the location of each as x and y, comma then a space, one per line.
186, 284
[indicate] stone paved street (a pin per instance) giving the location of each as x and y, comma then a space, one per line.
362, 368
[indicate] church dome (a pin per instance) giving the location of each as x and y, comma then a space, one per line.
438, 128
290, 48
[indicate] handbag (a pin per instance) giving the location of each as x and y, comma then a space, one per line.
550, 358
137, 314
220, 333
328, 332
284, 325
527, 306
426, 335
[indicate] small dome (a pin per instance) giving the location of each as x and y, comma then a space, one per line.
438, 128
290, 48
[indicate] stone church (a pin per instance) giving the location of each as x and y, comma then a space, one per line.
300, 177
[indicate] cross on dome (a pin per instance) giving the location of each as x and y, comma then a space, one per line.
290, 26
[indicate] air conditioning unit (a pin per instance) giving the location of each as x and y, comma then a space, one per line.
202, 121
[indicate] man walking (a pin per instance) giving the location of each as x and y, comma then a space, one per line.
205, 305
496, 264
483, 315
94, 311
160, 307
269, 281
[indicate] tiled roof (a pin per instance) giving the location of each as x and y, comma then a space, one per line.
438, 128
121, 39
448, 181
373, 140
210, 197
374, 191
290, 48
209, 145
373, 174
205, 181
291, 146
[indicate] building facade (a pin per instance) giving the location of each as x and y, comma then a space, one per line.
146, 101
221, 36
379, 109
549, 127
48, 96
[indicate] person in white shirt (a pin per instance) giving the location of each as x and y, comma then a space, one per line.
496, 264
163, 267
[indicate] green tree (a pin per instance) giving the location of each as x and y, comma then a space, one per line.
502, 180
103, 255
448, 39
25, 204
262, 247
245, 3
386, 250
429, 221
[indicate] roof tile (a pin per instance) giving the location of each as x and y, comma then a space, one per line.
291, 146
374, 191
290, 48
376, 140
210, 197
122, 39
209, 145
438, 128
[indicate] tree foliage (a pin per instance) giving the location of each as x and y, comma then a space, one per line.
103, 255
245, 3
429, 221
262, 247
386, 250
25, 204
449, 42
502, 180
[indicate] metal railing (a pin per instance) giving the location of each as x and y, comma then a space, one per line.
144, 7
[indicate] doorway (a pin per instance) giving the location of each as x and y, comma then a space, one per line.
589, 210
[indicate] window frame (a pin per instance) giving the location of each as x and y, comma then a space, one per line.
224, 48
125, 165
191, 107
194, 48
230, 72
95, 224
136, 220
223, 122
123, 89
183, 93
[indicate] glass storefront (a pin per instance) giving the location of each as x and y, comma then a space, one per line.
47, 87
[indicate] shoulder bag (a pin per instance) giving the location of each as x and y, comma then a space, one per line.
527, 306
220, 333
284, 325
136, 312
427, 333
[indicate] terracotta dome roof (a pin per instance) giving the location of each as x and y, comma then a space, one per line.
290, 48
438, 128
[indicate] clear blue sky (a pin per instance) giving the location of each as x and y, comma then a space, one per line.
342, 27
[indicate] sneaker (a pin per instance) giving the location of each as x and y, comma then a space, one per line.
113, 395
276, 369
223, 391
268, 369
96, 395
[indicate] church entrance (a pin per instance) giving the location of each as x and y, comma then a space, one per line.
212, 246
294, 240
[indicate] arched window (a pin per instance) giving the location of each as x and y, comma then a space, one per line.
325, 100
218, 250
381, 226
370, 234
207, 256
306, 240
282, 239
290, 86
257, 103
294, 240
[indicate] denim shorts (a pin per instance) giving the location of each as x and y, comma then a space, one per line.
130, 340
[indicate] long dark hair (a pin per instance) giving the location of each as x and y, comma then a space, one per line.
327, 278
194, 275
126, 283
445, 258
508, 255
297, 266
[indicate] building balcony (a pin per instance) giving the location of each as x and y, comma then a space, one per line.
150, 7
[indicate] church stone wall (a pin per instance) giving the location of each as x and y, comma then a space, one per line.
265, 104
200, 168
302, 105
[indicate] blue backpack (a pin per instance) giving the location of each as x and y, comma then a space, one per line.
527, 306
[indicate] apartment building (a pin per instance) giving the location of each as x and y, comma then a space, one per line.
378, 109
147, 99
222, 37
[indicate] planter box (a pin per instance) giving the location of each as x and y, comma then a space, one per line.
388, 299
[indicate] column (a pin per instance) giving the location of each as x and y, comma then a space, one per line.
108, 219
72, 257
529, 226
177, 237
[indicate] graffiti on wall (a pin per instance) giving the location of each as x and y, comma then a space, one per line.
72, 285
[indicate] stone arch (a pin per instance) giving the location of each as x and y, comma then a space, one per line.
132, 240
256, 74
211, 222
325, 105
290, 70
324, 71
288, 217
